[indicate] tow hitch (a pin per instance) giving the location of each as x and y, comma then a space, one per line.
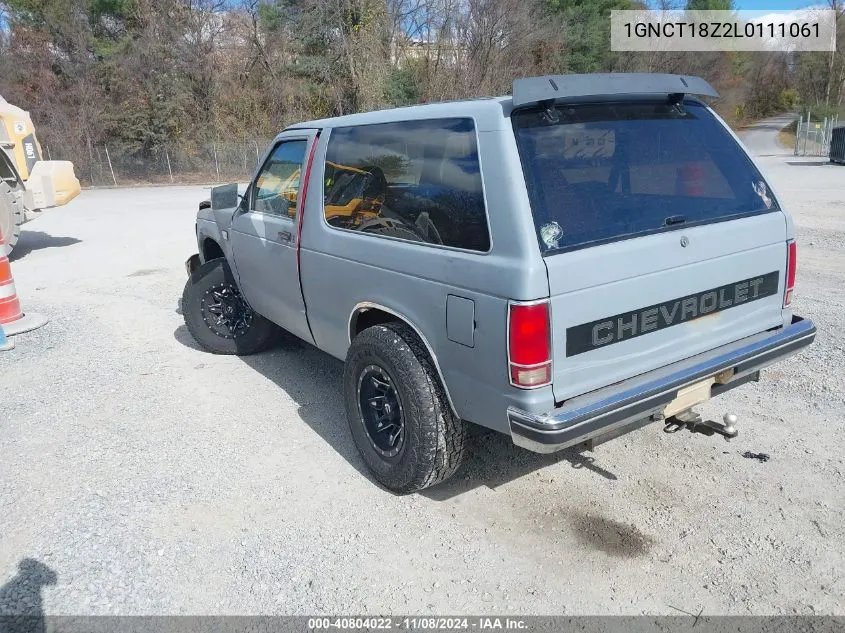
693, 421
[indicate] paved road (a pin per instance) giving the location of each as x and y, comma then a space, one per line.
141, 475
761, 137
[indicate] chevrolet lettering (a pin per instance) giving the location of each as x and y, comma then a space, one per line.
562, 265
582, 338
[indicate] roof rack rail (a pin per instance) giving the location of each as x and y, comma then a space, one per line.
533, 90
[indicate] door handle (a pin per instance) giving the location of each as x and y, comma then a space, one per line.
285, 236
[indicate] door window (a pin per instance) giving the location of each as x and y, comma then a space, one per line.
276, 188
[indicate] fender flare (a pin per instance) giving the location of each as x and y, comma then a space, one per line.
366, 305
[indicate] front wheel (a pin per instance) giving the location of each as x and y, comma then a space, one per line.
217, 316
398, 412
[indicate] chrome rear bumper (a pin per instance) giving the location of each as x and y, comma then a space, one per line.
624, 404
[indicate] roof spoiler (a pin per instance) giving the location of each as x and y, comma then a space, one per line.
553, 87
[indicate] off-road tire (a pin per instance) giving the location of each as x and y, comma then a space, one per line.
434, 440
12, 215
260, 334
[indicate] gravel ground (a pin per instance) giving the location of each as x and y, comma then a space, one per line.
140, 475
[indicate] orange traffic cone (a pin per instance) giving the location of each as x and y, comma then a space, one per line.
12, 317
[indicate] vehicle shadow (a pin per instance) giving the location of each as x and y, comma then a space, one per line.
36, 240
313, 380
492, 460
21, 604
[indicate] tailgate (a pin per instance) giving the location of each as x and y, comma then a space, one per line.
625, 308
661, 238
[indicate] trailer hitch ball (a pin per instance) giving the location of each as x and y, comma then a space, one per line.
692, 421
730, 421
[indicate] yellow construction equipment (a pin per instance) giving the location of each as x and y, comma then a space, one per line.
28, 184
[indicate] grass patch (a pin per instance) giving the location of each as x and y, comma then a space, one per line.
786, 137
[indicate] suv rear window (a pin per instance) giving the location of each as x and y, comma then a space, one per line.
413, 180
603, 172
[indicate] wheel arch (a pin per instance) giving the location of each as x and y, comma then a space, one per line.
376, 314
211, 249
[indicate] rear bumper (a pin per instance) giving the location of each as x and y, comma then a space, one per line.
609, 410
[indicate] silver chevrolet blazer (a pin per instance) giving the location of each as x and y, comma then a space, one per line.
562, 265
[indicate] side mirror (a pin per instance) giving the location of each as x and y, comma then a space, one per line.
224, 201
224, 197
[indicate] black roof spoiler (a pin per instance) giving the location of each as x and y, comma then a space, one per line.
552, 87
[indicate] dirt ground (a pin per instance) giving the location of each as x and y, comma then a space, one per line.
142, 475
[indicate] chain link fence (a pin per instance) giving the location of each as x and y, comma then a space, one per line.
812, 138
118, 165
234, 161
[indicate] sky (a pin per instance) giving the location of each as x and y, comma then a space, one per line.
748, 5
774, 5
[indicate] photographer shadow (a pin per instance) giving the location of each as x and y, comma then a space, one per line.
313, 380
21, 604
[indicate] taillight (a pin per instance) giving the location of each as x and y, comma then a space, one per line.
791, 261
691, 180
529, 345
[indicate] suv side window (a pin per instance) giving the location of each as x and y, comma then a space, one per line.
414, 180
277, 186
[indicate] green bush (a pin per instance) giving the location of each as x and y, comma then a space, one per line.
789, 98
402, 88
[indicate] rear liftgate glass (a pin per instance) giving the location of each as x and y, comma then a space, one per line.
602, 172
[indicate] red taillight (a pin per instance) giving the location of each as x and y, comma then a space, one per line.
529, 345
691, 180
791, 262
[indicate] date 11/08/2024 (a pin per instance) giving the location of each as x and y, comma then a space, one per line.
432, 623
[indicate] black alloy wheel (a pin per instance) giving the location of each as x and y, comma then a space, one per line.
225, 312
381, 411
217, 315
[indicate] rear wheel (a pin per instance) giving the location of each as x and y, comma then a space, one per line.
398, 412
11, 216
217, 316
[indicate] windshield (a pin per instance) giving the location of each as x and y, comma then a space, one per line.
603, 172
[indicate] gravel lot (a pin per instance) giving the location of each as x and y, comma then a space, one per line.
141, 475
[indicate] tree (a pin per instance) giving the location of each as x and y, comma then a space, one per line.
586, 29
140, 75
710, 5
